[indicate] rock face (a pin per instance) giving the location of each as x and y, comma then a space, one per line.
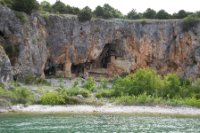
5, 67
24, 40
60, 45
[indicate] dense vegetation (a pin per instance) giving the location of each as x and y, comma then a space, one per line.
106, 11
144, 87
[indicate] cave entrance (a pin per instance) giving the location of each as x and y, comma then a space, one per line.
52, 69
108, 55
77, 69
13, 52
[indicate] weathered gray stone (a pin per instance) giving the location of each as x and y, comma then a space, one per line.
5, 67
60, 44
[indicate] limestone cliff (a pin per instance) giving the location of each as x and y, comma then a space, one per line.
60, 45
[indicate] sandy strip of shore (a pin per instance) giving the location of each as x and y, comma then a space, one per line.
105, 109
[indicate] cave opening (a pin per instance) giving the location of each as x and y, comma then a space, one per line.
13, 52
108, 54
51, 69
2, 34
77, 69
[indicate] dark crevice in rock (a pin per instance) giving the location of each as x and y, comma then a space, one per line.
52, 69
13, 52
109, 52
77, 70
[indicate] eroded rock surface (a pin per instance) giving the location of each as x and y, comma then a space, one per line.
5, 67
60, 45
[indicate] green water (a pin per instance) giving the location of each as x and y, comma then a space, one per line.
99, 123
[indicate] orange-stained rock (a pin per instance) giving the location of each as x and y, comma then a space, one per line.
58, 42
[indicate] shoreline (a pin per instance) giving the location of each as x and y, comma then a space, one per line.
105, 109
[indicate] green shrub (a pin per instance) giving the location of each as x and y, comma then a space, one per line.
196, 88
21, 16
143, 80
172, 86
23, 95
90, 84
103, 84
5, 94
77, 91
85, 14
192, 102
4, 103
124, 100
190, 22
17, 95
104, 93
52, 98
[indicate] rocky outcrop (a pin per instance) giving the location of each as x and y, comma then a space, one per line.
24, 40
5, 67
60, 45
123, 46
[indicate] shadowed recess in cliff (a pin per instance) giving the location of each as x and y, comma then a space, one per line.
108, 54
52, 69
13, 52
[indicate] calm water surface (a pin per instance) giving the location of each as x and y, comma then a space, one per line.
100, 123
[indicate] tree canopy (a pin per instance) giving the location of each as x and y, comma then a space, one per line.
25, 5
106, 11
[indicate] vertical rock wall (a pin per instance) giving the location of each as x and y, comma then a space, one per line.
60, 45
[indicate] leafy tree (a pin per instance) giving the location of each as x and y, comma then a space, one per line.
99, 12
162, 14
110, 12
25, 5
181, 14
59, 7
107, 12
75, 10
149, 13
46, 6
190, 21
172, 85
133, 15
85, 14
142, 81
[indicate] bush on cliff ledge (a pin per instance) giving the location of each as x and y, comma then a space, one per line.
190, 21
85, 14
25, 5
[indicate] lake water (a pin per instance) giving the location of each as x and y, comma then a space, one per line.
99, 123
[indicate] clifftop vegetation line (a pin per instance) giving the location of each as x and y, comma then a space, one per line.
106, 11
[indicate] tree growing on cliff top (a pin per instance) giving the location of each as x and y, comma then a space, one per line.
46, 6
85, 14
181, 14
149, 13
59, 7
133, 15
107, 12
25, 5
162, 14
